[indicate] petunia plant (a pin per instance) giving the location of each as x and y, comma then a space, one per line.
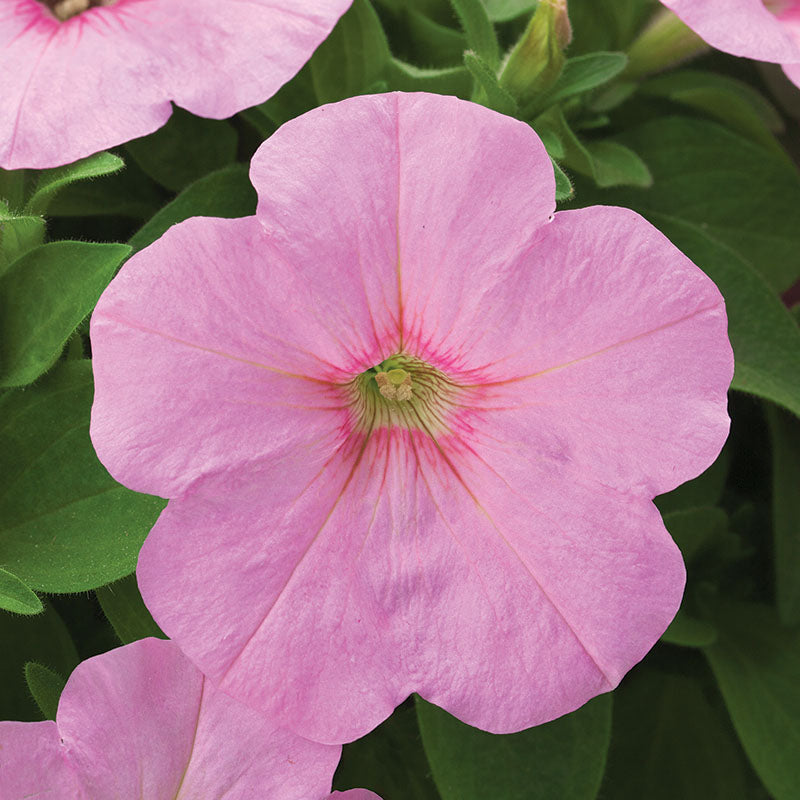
403, 329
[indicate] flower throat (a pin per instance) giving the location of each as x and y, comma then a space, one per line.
402, 391
65, 9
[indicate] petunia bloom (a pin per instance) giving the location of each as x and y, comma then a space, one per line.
78, 76
142, 721
764, 30
411, 423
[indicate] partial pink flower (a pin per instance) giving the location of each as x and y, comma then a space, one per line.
411, 423
142, 721
78, 76
764, 30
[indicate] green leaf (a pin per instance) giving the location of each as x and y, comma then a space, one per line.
583, 73
765, 340
44, 295
43, 638
757, 664
12, 187
185, 149
731, 190
17, 236
128, 193
688, 631
390, 760
504, 10
732, 102
46, 686
606, 26
493, 94
52, 180
563, 758
785, 435
704, 490
441, 80
695, 528
65, 524
15, 596
432, 43
224, 193
564, 190
126, 611
669, 743
617, 165
478, 29
354, 56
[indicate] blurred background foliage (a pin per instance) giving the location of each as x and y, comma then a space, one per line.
707, 150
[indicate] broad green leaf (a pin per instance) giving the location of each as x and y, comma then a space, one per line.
44, 639
562, 759
582, 73
126, 611
51, 180
503, 10
669, 743
432, 43
688, 631
127, 193
733, 102
17, 236
16, 596
607, 25
785, 435
490, 93
224, 193
44, 295
389, 760
757, 663
729, 189
353, 57
185, 149
65, 524
695, 528
617, 165
766, 342
564, 190
704, 490
478, 29
442, 80
46, 686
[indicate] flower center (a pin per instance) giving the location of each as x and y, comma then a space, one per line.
65, 9
405, 392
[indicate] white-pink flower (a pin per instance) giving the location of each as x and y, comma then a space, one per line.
765, 30
411, 423
78, 76
142, 721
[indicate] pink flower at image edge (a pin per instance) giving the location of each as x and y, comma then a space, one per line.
411, 423
141, 721
107, 75
764, 30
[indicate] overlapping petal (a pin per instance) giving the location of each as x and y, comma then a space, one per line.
107, 75
765, 30
141, 721
504, 560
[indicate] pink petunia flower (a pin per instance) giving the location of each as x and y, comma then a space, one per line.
142, 721
411, 423
764, 30
78, 76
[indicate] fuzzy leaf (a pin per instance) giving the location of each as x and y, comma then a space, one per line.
46, 686
15, 596
44, 295
126, 611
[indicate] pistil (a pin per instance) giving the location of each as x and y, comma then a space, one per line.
63, 10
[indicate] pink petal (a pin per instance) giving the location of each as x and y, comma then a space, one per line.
33, 764
141, 721
611, 344
245, 349
106, 76
740, 27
